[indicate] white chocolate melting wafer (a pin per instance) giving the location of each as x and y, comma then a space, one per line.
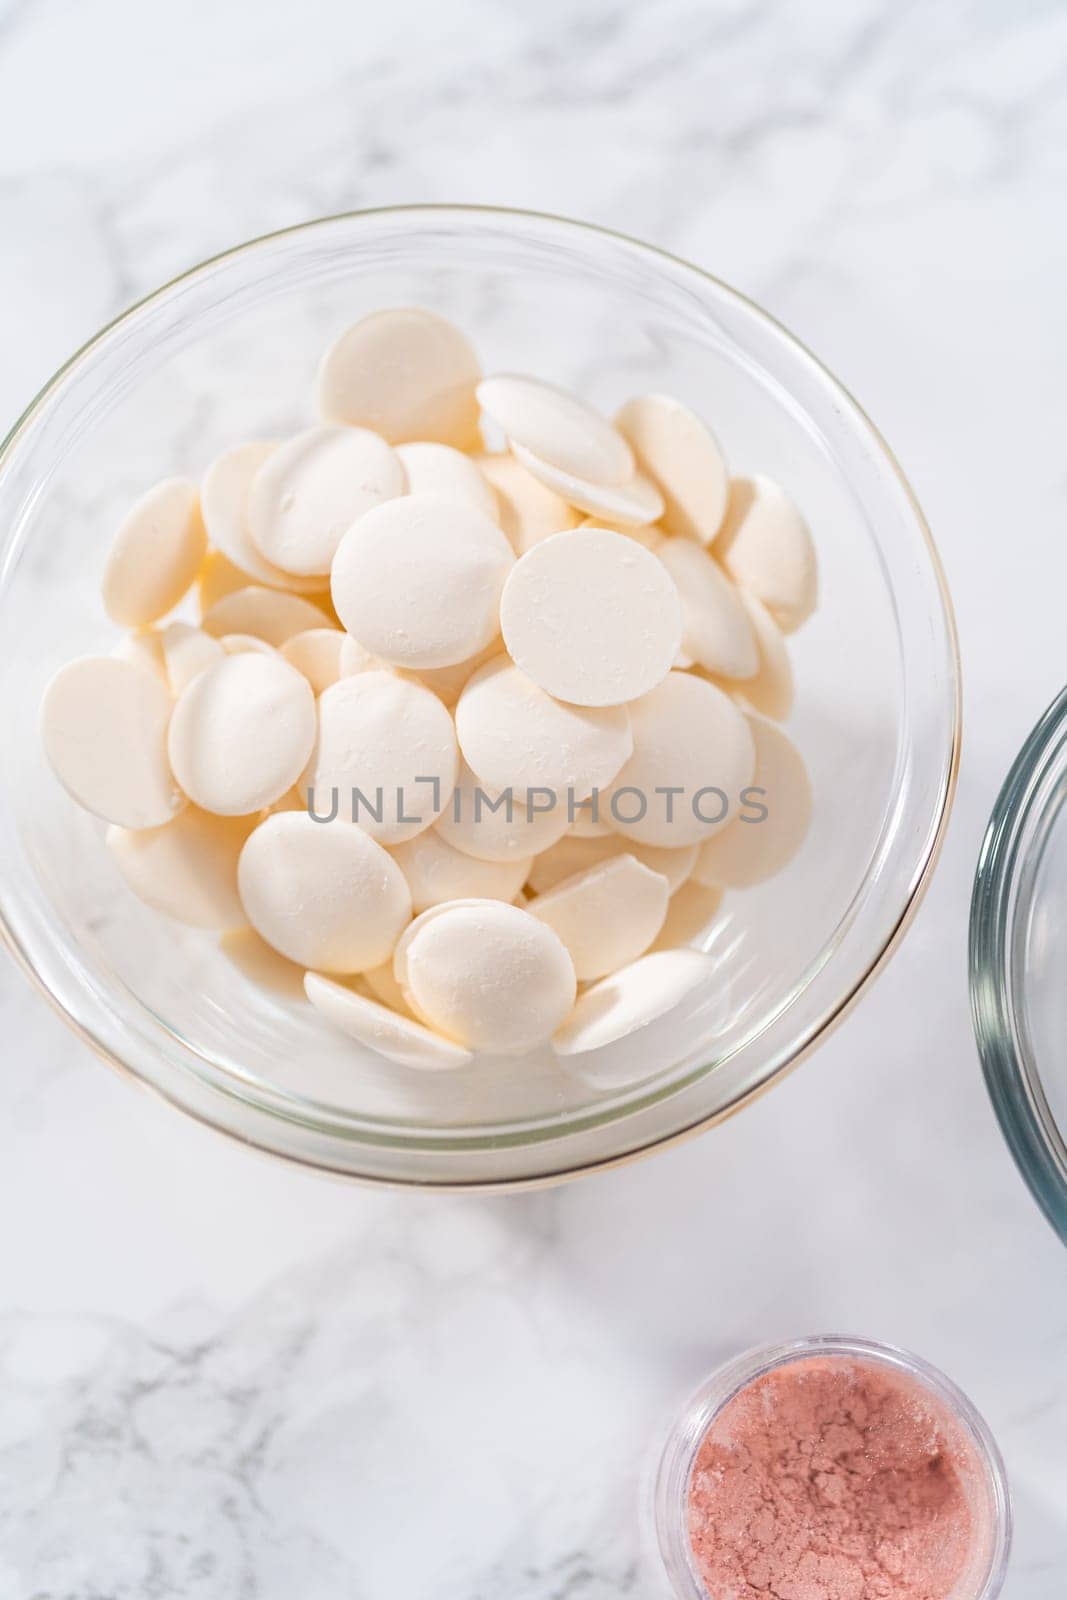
526, 510
309, 491
631, 999
765, 546
264, 613
354, 658
318, 654
675, 864
387, 750
398, 1038
417, 581
437, 872
381, 981
716, 631
408, 374
187, 651
239, 644
636, 502
322, 894
748, 852
156, 554
557, 427
651, 535
591, 617
448, 683
681, 455
491, 826
218, 577
486, 974
187, 869
606, 916
144, 649
689, 914
513, 734
224, 493
104, 726
438, 469
689, 738
770, 691
588, 826
575, 853
241, 733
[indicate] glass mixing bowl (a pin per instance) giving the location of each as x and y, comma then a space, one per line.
228, 352
1019, 961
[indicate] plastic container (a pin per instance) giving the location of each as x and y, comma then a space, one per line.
983, 1576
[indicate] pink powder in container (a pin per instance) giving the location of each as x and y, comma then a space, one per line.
832, 1469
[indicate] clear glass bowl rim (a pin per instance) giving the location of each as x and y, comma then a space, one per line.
923, 866
1013, 840
671, 1481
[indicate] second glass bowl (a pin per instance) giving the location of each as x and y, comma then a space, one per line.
228, 352
1018, 961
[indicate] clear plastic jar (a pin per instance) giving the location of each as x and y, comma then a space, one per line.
983, 1575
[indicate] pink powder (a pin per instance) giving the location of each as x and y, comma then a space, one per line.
831, 1478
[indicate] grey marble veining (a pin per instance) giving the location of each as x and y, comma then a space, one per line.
224, 1380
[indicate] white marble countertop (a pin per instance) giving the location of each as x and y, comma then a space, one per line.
222, 1379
